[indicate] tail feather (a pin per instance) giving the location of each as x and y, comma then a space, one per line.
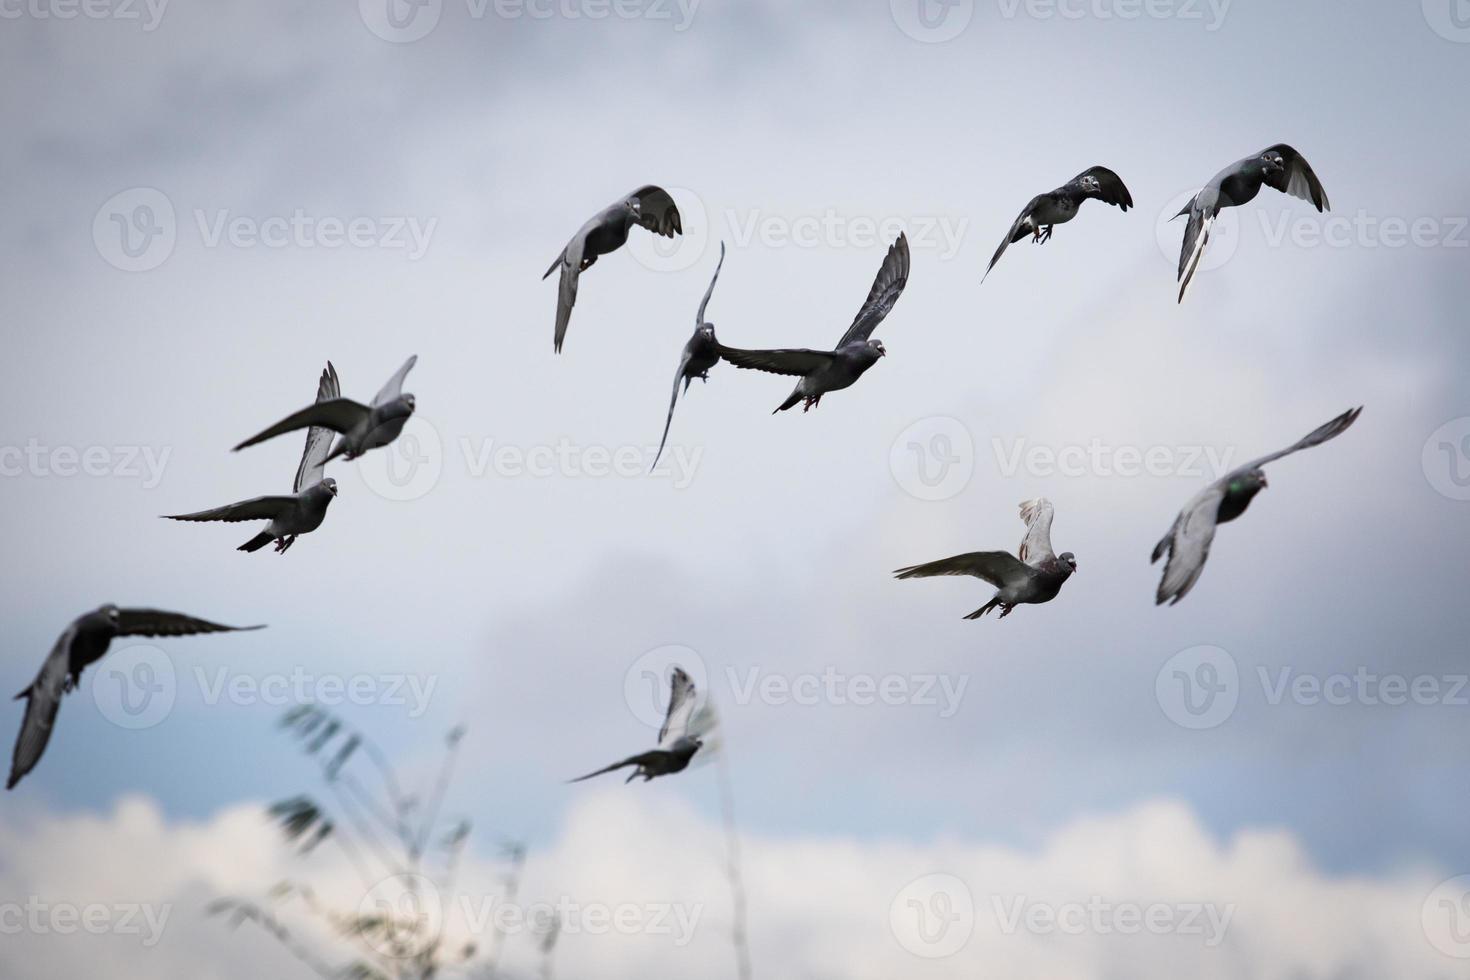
256, 543
789, 402
554, 266
984, 609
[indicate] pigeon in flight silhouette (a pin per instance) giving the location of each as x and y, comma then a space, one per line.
700, 354
677, 742
1058, 206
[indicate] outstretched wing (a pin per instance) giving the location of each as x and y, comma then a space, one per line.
795, 361
673, 400
1316, 437
657, 211
42, 698
1188, 544
632, 760
566, 289
1018, 231
338, 414
892, 276
699, 317
318, 438
160, 622
1111, 189
1036, 545
682, 697
996, 567
255, 509
1297, 178
394, 388
1202, 211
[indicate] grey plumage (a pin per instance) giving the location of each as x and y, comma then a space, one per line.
1034, 575
1058, 206
650, 206
823, 371
304, 509
677, 739
1188, 541
1279, 167
81, 644
701, 353
360, 427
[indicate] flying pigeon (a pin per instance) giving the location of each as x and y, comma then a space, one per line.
700, 354
823, 371
649, 206
1061, 205
1279, 166
1036, 575
1188, 541
362, 427
83, 643
676, 743
306, 507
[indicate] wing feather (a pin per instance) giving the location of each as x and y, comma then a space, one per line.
1036, 545
999, 568
338, 414
682, 702
160, 622
254, 509
658, 213
1319, 435
888, 285
1188, 544
1297, 178
319, 438
43, 699
393, 390
794, 361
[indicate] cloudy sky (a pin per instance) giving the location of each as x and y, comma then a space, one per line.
207, 199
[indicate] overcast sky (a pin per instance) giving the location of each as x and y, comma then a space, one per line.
205, 201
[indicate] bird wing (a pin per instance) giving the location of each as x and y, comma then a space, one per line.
631, 760
1188, 544
795, 361
892, 276
682, 698
673, 400
1297, 179
1316, 437
160, 622
996, 567
699, 317
1202, 212
43, 698
566, 289
658, 213
1111, 189
254, 509
1016, 233
338, 414
1036, 545
313, 464
394, 388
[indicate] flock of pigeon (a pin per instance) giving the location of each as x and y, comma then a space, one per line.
338, 426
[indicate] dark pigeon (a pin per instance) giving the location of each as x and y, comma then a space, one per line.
1188, 541
1061, 205
677, 742
361, 427
700, 354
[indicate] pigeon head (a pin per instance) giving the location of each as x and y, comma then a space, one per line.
635, 208
1273, 163
707, 330
1091, 185
331, 485
1247, 485
111, 614
877, 347
1069, 559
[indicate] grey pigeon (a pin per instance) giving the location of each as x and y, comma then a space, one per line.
649, 206
676, 741
306, 507
83, 643
822, 371
361, 427
1061, 205
1036, 574
1188, 540
1278, 166
700, 354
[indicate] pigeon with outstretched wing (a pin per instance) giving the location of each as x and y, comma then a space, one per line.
677, 740
1059, 206
360, 427
701, 353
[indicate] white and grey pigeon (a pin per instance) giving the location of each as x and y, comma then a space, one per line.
1036, 574
677, 740
822, 371
700, 354
82, 643
1188, 541
1279, 166
1059, 206
304, 509
361, 427
650, 206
